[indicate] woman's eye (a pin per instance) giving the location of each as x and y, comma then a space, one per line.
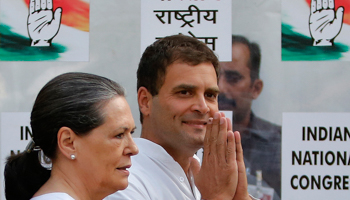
120, 136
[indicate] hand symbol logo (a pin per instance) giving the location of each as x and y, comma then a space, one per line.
43, 24
324, 23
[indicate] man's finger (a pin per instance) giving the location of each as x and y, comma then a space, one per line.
239, 149
206, 145
325, 4
331, 4
242, 187
231, 148
56, 21
222, 114
221, 143
338, 21
37, 5
49, 4
213, 137
319, 5
229, 124
32, 6
43, 4
313, 6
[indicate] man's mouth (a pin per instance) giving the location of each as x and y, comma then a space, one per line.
196, 123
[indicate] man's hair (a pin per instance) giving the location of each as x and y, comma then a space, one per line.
163, 52
255, 55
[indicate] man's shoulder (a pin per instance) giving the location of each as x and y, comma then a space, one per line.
140, 180
263, 124
265, 129
151, 170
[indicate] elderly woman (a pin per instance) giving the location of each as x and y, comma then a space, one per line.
83, 125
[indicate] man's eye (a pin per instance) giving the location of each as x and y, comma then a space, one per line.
233, 78
184, 92
211, 95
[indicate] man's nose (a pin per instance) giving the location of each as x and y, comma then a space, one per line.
200, 105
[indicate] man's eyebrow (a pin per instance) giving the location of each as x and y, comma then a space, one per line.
214, 90
231, 72
184, 86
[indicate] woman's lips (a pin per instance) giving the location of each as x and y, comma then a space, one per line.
124, 169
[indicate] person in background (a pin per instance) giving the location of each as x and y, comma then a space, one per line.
82, 125
177, 96
239, 85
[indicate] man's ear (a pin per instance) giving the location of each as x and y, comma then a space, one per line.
257, 88
144, 99
65, 140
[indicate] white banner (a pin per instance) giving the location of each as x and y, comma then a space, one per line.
206, 20
315, 156
15, 134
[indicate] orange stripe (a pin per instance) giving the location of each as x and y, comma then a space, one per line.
75, 13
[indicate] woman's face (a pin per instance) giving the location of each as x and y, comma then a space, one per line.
104, 154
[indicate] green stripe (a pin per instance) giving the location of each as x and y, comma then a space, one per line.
297, 47
14, 47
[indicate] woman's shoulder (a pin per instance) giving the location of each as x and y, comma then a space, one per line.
53, 196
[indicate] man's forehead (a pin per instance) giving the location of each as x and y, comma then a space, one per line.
188, 64
234, 65
183, 73
193, 86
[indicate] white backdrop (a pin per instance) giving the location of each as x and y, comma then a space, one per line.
115, 52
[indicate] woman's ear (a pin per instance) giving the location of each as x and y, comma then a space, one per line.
144, 99
65, 140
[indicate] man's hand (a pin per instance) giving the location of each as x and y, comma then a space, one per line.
242, 186
220, 174
43, 23
324, 23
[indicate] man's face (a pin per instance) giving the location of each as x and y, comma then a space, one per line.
186, 100
235, 83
